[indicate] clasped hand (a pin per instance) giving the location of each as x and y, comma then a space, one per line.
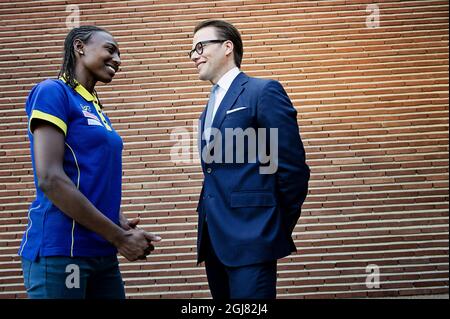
137, 243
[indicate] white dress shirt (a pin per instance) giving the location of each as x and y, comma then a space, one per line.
224, 84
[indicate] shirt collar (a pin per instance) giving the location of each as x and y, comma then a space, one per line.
80, 89
228, 78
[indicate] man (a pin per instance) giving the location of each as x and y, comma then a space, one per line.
247, 210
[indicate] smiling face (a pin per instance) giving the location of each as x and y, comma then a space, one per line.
100, 57
216, 58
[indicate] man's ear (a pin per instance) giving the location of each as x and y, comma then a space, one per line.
78, 46
229, 47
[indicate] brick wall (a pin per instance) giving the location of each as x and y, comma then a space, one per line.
372, 109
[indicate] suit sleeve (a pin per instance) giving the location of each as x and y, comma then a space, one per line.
275, 110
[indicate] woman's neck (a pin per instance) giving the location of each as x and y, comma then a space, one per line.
84, 79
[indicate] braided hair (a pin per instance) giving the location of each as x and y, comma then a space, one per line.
83, 33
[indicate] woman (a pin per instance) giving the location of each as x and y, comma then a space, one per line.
75, 228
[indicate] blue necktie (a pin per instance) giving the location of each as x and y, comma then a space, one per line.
210, 112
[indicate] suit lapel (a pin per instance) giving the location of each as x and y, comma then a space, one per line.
200, 141
228, 101
236, 88
230, 98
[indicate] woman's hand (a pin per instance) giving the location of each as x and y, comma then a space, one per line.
128, 224
132, 225
136, 244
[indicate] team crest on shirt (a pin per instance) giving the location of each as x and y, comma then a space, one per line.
92, 119
86, 108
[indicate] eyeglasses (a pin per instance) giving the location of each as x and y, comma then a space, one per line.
200, 45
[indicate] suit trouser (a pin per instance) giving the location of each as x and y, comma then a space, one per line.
257, 281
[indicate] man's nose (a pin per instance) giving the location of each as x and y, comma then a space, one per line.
195, 56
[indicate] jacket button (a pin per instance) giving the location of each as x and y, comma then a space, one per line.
209, 170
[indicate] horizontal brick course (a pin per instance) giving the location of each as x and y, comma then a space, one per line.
372, 110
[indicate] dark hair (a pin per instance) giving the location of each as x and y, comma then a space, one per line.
83, 33
226, 31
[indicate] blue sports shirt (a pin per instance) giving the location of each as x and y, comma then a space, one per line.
92, 160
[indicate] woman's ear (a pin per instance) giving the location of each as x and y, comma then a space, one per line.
78, 46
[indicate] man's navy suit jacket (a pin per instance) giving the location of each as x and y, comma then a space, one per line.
251, 216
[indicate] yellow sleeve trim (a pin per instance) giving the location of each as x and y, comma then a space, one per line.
49, 118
